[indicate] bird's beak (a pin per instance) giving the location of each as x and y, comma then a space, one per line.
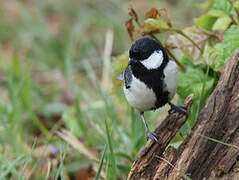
132, 61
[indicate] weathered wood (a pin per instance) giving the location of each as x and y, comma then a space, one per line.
197, 157
144, 166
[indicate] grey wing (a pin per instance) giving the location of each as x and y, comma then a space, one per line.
127, 77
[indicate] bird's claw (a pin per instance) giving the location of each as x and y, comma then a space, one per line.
152, 136
180, 109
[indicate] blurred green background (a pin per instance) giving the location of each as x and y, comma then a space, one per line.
58, 114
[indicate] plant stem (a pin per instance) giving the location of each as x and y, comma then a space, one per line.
39, 124
202, 92
237, 12
233, 20
170, 54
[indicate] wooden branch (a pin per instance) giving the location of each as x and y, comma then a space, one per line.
144, 166
198, 157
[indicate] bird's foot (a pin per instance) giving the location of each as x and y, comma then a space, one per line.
175, 108
152, 136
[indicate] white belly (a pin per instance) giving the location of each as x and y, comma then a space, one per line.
140, 96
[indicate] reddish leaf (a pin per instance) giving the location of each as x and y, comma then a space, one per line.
130, 28
152, 13
67, 97
133, 14
86, 173
219, 36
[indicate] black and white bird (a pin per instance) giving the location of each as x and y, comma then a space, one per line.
150, 79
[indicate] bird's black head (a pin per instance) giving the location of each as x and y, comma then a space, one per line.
148, 53
143, 48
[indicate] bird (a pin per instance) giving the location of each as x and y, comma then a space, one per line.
150, 79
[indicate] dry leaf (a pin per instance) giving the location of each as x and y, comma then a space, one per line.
130, 28
180, 42
155, 25
133, 14
86, 173
152, 13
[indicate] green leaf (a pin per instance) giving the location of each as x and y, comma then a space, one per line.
236, 4
205, 21
217, 56
231, 42
176, 144
195, 81
124, 155
222, 23
152, 25
192, 82
217, 13
224, 5
212, 56
70, 121
223, 20
207, 4
124, 168
119, 65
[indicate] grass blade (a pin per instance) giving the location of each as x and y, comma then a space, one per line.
220, 142
101, 164
111, 170
80, 118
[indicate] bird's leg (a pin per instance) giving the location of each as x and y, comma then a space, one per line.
149, 134
176, 108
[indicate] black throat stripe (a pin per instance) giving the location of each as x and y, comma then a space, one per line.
154, 79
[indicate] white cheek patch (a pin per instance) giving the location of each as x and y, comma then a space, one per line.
154, 61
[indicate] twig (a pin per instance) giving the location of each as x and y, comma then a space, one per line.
106, 60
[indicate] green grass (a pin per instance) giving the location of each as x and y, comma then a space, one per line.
97, 176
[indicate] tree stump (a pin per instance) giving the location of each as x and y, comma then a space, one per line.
198, 157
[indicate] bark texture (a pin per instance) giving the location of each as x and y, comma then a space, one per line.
198, 157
